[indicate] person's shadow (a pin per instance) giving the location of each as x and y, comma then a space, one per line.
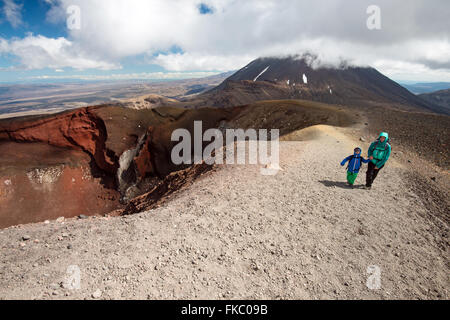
340, 184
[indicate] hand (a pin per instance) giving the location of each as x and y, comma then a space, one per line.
376, 168
371, 158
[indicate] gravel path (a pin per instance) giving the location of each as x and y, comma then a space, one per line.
235, 233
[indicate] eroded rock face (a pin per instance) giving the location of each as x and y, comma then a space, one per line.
56, 166
45, 177
79, 129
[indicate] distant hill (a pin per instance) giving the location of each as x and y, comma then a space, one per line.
419, 88
296, 78
440, 98
147, 102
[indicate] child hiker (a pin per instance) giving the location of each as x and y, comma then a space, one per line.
355, 162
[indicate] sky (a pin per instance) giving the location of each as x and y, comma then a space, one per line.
65, 40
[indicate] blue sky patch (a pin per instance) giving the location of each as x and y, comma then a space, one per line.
203, 8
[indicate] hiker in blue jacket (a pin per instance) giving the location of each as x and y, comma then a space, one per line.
355, 162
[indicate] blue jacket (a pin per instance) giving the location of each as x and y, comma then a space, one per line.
355, 162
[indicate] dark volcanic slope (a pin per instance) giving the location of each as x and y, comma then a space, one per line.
426, 134
439, 98
294, 78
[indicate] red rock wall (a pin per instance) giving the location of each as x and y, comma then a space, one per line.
79, 129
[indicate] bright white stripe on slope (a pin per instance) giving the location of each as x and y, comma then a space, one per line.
261, 73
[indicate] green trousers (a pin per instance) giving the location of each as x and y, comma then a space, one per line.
351, 177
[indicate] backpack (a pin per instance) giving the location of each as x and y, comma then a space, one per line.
385, 147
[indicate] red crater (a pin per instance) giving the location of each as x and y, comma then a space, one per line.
89, 161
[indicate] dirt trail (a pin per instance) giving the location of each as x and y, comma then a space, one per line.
235, 233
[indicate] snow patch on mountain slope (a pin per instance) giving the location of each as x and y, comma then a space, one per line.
261, 73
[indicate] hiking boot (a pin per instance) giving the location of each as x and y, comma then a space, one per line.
368, 187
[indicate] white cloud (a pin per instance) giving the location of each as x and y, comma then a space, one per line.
124, 28
39, 52
188, 61
12, 12
400, 61
412, 35
400, 70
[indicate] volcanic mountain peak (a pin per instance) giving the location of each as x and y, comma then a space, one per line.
306, 77
290, 68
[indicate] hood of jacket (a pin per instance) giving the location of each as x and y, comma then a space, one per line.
357, 154
382, 145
